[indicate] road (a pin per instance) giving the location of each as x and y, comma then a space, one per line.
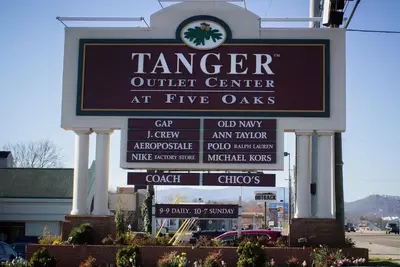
379, 244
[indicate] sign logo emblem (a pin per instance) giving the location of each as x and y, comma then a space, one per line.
203, 34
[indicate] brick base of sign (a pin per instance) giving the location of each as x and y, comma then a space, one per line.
316, 232
68, 256
103, 225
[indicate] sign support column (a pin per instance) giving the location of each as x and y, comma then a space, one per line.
325, 177
102, 171
303, 165
80, 190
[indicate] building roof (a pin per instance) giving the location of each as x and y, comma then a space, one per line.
39, 183
4, 154
36, 183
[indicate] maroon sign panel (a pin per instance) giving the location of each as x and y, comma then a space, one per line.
128, 77
239, 179
205, 211
163, 140
239, 141
163, 178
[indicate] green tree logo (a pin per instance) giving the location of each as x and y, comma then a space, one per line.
199, 35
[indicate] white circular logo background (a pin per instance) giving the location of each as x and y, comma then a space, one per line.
203, 34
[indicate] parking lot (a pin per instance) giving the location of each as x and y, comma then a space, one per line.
380, 244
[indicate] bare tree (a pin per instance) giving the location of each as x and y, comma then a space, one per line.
40, 154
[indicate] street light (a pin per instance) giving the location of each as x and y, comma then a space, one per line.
290, 189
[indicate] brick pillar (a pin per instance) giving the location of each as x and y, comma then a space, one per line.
316, 232
103, 225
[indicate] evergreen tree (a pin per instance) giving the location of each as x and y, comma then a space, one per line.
146, 209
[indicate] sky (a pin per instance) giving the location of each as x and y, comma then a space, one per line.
31, 60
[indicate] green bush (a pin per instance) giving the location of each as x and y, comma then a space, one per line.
42, 258
81, 235
129, 256
251, 255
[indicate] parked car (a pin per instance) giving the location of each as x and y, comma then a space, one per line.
207, 233
7, 253
349, 227
392, 228
20, 248
231, 236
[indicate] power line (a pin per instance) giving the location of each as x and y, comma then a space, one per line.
270, 2
372, 31
352, 14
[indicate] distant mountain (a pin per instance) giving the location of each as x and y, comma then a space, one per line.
374, 206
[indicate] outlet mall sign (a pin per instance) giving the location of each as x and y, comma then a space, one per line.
203, 92
204, 72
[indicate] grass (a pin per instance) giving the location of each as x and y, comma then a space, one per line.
383, 262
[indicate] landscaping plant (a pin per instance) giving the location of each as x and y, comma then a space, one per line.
129, 257
294, 262
146, 208
48, 239
17, 262
42, 258
214, 259
89, 262
324, 256
120, 220
251, 255
81, 235
173, 259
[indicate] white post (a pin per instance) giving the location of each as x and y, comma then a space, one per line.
81, 165
102, 172
303, 166
153, 219
325, 178
239, 223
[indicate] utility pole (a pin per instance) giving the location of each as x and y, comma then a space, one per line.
314, 11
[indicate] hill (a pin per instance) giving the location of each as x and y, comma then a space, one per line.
374, 206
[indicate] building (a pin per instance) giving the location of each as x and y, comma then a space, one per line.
33, 198
130, 201
6, 159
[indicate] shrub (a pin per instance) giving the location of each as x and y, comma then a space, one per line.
282, 242
17, 262
120, 220
349, 243
207, 242
48, 239
108, 240
129, 256
81, 235
89, 262
251, 255
324, 256
293, 262
214, 259
42, 258
150, 241
173, 259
